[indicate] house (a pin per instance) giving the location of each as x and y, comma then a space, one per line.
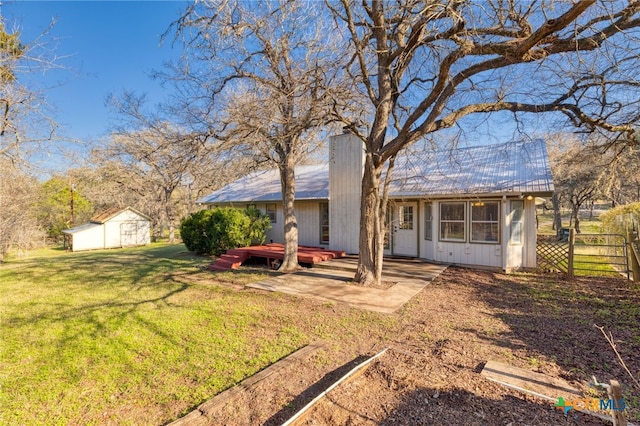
114, 228
469, 206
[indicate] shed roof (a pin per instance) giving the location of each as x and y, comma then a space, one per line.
112, 212
80, 228
519, 167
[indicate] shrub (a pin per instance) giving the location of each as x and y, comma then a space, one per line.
218, 230
621, 219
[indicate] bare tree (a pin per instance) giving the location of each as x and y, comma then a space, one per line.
18, 223
260, 78
620, 181
25, 116
427, 66
24, 123
155, 157
576, 171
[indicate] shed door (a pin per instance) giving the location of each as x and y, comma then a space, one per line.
128, 234
405, 229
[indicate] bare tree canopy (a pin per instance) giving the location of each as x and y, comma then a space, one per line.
427, 66
260, 77
576, 170
156, 157
25, 117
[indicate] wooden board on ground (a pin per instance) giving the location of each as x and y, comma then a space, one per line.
542, 386
201, 415
537, 384
301, 415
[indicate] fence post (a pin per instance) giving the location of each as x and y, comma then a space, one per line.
615, 396
572, 243
633, 257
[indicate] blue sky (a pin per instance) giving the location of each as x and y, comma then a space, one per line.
105, 47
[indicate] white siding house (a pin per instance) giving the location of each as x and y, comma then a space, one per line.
111, 229
470, 206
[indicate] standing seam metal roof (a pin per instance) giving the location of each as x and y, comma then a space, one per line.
519, 166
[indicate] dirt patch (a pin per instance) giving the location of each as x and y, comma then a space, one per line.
440, 341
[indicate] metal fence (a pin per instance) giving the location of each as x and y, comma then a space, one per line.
600, 254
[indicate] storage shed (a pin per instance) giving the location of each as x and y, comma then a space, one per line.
112, 229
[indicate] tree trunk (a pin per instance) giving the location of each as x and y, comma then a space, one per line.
172, 231
369, 269
287, 181
557, 217
576, 213
169, 215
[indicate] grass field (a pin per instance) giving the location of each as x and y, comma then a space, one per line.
84, 333
587, 226
142, 336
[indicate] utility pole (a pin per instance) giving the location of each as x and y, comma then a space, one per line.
73, 188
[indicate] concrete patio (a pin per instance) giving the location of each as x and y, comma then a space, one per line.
330, 281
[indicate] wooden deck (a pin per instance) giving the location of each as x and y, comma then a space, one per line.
232, 259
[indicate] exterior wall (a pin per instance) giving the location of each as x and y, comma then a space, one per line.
469, 254
88, 239
276, 233
464, 253
134, 225
346, 165
308, 217
506, 254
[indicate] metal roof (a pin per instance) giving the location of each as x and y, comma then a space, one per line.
519, 167
80, 228
312, 183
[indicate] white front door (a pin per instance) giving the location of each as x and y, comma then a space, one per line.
405, 229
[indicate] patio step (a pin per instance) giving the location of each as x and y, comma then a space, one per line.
228, 261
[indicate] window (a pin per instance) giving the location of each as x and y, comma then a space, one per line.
517, 219
452, 221
271, 212
485, 222
428, 217
324, 223
405, 219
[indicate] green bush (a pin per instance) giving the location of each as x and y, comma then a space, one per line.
218, 230
621, 219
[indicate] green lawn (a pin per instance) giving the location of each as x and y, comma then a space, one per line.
130, 336
545, 222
